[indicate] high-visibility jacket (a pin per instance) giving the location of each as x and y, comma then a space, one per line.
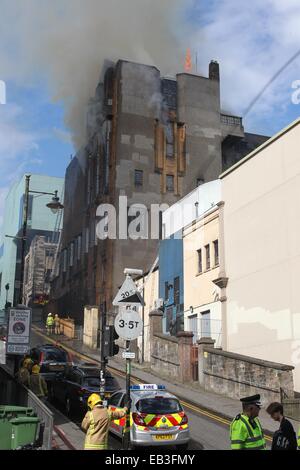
37, 385
298, 439
50, 321
96, 425
246, 433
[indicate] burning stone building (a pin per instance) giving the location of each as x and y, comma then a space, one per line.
152, 139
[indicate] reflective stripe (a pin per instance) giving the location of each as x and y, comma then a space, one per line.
237, 441
247, 426
253, 439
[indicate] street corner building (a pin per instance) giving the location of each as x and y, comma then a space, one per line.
261, 311
149, 138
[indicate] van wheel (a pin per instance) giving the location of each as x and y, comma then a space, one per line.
182, 447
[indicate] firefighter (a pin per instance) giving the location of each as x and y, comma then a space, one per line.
49, 323
37, 383
24, 371
56, 324
96, 423
245, 430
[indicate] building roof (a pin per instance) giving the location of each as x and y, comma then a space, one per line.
261, 147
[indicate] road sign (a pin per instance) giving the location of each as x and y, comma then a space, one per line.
128, 324
128, 355
19, 324
128, 294
2, 352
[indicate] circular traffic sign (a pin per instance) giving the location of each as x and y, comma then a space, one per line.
128, 324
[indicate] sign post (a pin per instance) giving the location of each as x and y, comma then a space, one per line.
129, 326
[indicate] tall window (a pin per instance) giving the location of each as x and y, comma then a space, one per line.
65, 256
138, 177
71, 260
170, 182
170, 139
87, 236
207, 253
216, 252
200, 269
166, 290
176, 291
79, 246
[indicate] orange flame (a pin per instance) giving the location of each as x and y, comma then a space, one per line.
188, 61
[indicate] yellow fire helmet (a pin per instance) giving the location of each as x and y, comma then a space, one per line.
94, 400
27, 362
35, 369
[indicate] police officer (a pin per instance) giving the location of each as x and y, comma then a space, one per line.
298, 439
245, 430
96, 423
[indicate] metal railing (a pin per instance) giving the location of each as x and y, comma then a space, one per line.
229, 120
291, 404
208, 328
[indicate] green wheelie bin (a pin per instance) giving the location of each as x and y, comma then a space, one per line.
18, 427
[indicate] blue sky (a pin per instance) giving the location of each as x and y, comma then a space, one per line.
250, 40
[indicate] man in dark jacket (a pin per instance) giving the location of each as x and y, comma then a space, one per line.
285, 437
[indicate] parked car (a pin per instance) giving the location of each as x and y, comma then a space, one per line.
52, 359
73, 387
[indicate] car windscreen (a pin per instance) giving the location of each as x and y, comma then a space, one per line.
95, 381
55, 355
159, 405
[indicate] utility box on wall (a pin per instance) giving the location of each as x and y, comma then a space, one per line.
91, 326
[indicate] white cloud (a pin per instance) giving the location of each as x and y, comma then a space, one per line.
251, 40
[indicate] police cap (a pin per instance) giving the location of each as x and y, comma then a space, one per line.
253, 400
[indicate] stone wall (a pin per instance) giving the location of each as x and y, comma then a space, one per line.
238, 376
91, 326
164, 355
170, 356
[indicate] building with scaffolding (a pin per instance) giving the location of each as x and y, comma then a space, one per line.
41, 222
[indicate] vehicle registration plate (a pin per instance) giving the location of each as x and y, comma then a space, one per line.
56, 366
163, 437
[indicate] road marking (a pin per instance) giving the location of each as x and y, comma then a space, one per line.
195, 408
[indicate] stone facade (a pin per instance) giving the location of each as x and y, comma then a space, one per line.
237, 376
150, 139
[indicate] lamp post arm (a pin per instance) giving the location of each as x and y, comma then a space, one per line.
42, 192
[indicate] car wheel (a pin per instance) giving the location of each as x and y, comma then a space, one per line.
182, 446
68, 406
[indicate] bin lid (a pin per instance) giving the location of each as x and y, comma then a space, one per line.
25, 420
7, 410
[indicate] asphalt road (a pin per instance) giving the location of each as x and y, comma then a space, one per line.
206, 433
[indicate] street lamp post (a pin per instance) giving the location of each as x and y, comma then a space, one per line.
54, 205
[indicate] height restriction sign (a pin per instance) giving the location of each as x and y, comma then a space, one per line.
128, 324
19, 324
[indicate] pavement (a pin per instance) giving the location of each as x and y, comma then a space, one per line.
192, 392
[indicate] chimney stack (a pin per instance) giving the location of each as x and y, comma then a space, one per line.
214, 72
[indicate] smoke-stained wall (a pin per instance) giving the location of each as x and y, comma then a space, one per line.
151, 139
